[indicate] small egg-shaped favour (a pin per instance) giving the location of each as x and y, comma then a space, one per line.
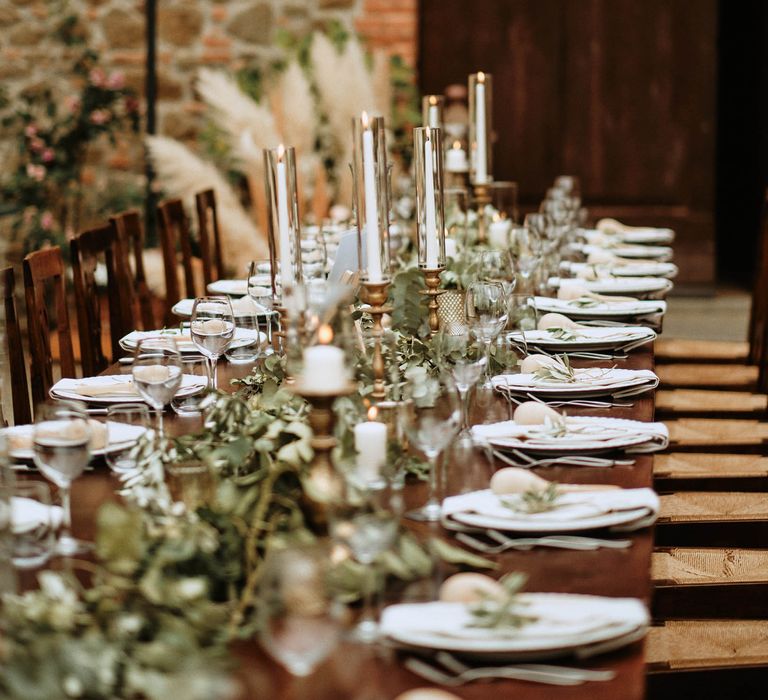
553, 320
516, 480
571, 289
469, 588
535, 362
427, 694
534, 413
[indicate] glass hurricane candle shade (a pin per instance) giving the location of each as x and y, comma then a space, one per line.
432, 111
283, 215
480, 128
370, 174
430, 219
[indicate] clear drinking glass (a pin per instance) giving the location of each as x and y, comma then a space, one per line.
366, 522
485, 305
300, 621
430, 415
157, 374
497, 266
464, 357
34, 521
119, 451
526, 247
62, 441
212, 327
249, 341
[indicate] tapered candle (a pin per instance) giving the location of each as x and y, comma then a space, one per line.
429, 206
372, 244
433, 120
286, 267
481, 164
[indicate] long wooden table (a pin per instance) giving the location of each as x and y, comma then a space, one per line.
356, 671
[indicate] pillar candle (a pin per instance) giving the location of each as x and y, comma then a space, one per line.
371, 447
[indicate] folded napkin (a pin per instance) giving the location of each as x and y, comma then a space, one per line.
240, 307
559, 619
587, 335
28, 514
616, 308
570, 507
591, 377
93, 390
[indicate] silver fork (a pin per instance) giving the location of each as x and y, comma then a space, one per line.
528, 462
524, 544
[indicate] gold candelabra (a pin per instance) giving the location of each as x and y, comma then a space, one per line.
376, 297
432, 280
482, 196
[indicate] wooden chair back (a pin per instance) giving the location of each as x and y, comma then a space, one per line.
43, 269
758, 317
130, 238
210, 239
87, 249
22, 412
175, 237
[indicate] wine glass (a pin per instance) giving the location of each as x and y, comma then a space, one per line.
485, 306
62, 448
498, 266
526, 250
157, 374
119, 453
430, 416
366, 522
300, 622
212, 328
464, 357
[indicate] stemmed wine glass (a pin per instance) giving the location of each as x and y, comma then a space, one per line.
157, 374
430, 415
300, 621
498, 266
366, 521
61, 439
486, 310
212, 328
526, 252
463, 356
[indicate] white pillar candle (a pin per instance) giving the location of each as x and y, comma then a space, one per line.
456, 159
429, 205
498, 233
286, 268
481, 164
324, 365
372, 245
433, 115
450, 248
371, 447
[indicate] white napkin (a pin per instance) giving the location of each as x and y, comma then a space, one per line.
558, 617
585, 379
27, 514
114, 385
586, 334
624, 308
615, 284
571, 506
240, 307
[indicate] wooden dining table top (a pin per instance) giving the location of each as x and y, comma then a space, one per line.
376, 672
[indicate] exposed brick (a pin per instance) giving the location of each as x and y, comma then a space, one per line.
217, 40
27, 34
124, 29
253, 24
128, 57
219, 13
179, 24
216, 56
8, 16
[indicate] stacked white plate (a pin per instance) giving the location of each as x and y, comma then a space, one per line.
115, 388
243, 336
239, 288
617, 285
625, 250
629, 269
564, 624
244, 306
586, 309
588, 382
635, 234
609, 338
583, 435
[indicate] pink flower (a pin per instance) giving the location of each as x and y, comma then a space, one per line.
72, 103
116, 80
48, 155
36, 145
46, 221
100, 116
131, 105
36, 172
30, 130
97, 76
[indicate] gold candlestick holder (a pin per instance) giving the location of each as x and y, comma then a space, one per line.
376, 297
323, 485
482, 196
432, 280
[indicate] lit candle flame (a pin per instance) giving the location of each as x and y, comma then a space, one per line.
366, 120
432, 100
456, 146
280, 151
480, 77
325, 334
372, 413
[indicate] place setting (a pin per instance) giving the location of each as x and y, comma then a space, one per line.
645, 287
609, 266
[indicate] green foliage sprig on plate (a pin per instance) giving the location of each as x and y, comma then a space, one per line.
505, 613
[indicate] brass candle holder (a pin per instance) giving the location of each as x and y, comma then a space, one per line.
432, 280
375, 296
279, 336
482, 196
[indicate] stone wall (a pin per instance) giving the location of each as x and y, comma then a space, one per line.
191, 33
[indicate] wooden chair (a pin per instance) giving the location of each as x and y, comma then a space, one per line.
44, 268
86, 249
175, 238
22, 412
139, 300
208, 233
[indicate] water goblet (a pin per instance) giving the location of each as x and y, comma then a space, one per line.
157, 374
212, 327
485, 306
121, 419
526, 247
300, 621
34, 521
61, 445
498, 266
430, 416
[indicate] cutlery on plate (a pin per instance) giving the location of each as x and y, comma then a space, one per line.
572, 542
434, 675
526, 461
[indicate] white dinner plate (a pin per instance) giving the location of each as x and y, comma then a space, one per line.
630, 269
67, 388
642, 252
565, 623
244, 306
243, 336
617, 285
238, 288
616, 309
587, 338
590, 382
122, 434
